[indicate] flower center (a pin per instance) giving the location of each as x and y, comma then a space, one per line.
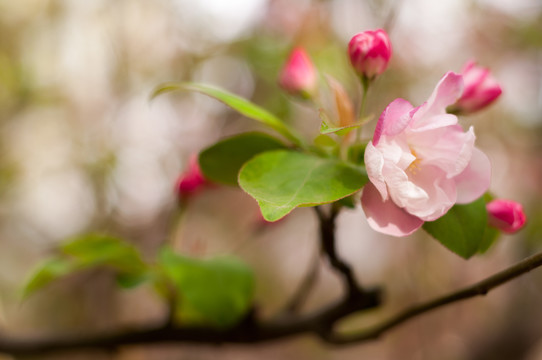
414, 166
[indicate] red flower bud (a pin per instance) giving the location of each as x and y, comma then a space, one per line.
506, 215
370, 52
481, 89
191, 181
298, 77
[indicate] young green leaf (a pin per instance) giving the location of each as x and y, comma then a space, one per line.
99, 249
218, 291
237, 103
222, 161
89, 251
327, 126
462, 229
282, 180
46, 273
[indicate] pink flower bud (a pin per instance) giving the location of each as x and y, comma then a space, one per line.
191, 181
506, 215
481, 89
370, 52
298, 77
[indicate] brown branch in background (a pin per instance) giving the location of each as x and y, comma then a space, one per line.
478, 289
250, 331
327, 241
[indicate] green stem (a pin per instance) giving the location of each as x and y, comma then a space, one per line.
365, 84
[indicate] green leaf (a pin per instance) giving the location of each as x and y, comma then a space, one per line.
222, 161
490, 236
89, 251
327, 126
462, 229
356, 153
282, 180
98, 249
324, 141
237, 103
46, 273
218, 291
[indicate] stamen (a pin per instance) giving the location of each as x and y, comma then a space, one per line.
414, 166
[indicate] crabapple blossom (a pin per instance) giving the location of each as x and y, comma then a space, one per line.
421, 162
506, 215
298, 76
370, 52
481, 89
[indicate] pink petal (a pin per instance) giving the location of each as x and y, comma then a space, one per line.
393, 120
447, 91
374, 163
425, 193
435, 122
441, 193
474, 181
448, 148
385, 216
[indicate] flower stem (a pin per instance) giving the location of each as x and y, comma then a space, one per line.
365, 82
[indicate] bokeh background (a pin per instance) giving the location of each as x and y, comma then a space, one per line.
83, 149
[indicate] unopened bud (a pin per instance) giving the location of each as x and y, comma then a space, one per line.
370, 53
298, 76
191, 181
506, 215
481, 89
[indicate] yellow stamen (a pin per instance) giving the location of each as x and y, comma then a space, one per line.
414, 166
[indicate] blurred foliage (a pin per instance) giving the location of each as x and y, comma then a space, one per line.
81, 147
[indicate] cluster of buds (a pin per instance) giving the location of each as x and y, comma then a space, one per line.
370, 53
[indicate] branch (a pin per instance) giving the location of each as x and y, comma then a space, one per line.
327, 239
478, 289
249, 331
319, 323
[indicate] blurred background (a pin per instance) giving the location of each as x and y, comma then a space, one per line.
83, 149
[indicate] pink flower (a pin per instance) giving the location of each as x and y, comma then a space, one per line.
298, 77
481, 89
370, 52
421, 162
191, 181
506, 215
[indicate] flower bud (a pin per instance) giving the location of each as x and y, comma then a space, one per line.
191, 181
298, 76
370, 53
480, 89
506, 215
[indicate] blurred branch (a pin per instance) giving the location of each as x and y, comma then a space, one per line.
320, 323
327, 241
478, 289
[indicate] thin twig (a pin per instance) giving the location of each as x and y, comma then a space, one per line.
478, 289
328, 244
